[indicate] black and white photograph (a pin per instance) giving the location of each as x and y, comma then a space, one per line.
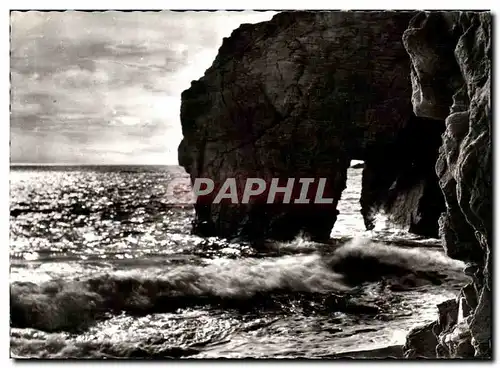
252, 184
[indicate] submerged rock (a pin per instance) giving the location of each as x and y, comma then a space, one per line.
300, 96
451, 80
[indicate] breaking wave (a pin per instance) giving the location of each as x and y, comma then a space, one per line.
61, 347
363, 260
62, 304
328, 280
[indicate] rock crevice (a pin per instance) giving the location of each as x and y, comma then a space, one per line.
451, 80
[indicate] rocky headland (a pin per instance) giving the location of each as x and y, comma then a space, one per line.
406, 92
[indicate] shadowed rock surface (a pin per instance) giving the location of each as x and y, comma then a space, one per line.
300, 96
303, 94
451, 80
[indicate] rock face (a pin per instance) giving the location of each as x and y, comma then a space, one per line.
451, 80
408, 93
299, 97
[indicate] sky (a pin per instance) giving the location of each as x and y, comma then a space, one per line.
104, 87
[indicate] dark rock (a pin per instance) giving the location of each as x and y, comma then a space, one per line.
451, 80
481, 325
451, 335
402, 181
421, 342
300, 96
455, 342
471, 269
469, 295
448, 314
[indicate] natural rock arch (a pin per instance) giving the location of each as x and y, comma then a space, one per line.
300, 96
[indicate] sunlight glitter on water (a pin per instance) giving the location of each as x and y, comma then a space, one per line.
119, 230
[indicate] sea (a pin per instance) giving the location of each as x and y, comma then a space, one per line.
103, 265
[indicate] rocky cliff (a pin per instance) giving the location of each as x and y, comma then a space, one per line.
300, 96
408, 93
451, 80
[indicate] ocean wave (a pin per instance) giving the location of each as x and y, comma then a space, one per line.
73, 304
165, 335
58, 347
244, 283
362, 259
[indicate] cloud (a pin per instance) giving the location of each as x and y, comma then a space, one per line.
104, 87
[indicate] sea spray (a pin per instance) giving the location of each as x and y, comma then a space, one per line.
66, 305
362, 259
63, 280
73, 304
